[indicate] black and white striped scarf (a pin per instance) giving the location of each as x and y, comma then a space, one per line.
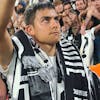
77, 84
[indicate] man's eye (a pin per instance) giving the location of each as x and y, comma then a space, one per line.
46, 19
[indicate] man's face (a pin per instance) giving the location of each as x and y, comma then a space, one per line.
46, 27
59, 8
97, 4
80, 5
67, 8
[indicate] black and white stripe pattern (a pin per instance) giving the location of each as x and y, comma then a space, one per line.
76, 83
71, 55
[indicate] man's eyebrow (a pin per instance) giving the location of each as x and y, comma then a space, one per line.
46, 17
49, 17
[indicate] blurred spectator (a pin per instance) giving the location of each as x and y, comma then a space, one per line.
20, 8
71, 24
59, 9
72, 16
87, 45
18, 15
19, 23
67, 7
93, 12
81, 5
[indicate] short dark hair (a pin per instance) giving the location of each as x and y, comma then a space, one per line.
67, 3
31, 11
84, 1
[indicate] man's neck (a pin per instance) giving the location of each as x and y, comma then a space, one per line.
50, 50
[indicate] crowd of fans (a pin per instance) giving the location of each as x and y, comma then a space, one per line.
43, 64
80, 24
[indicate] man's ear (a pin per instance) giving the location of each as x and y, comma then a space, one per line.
29, 29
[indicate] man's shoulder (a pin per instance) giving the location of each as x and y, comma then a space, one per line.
23, 44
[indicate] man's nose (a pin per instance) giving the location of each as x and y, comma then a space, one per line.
55, 23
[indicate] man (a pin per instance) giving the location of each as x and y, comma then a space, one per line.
59, 9
67, 7
43, 72
93, 12
81, 5
72, 16
37, 70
